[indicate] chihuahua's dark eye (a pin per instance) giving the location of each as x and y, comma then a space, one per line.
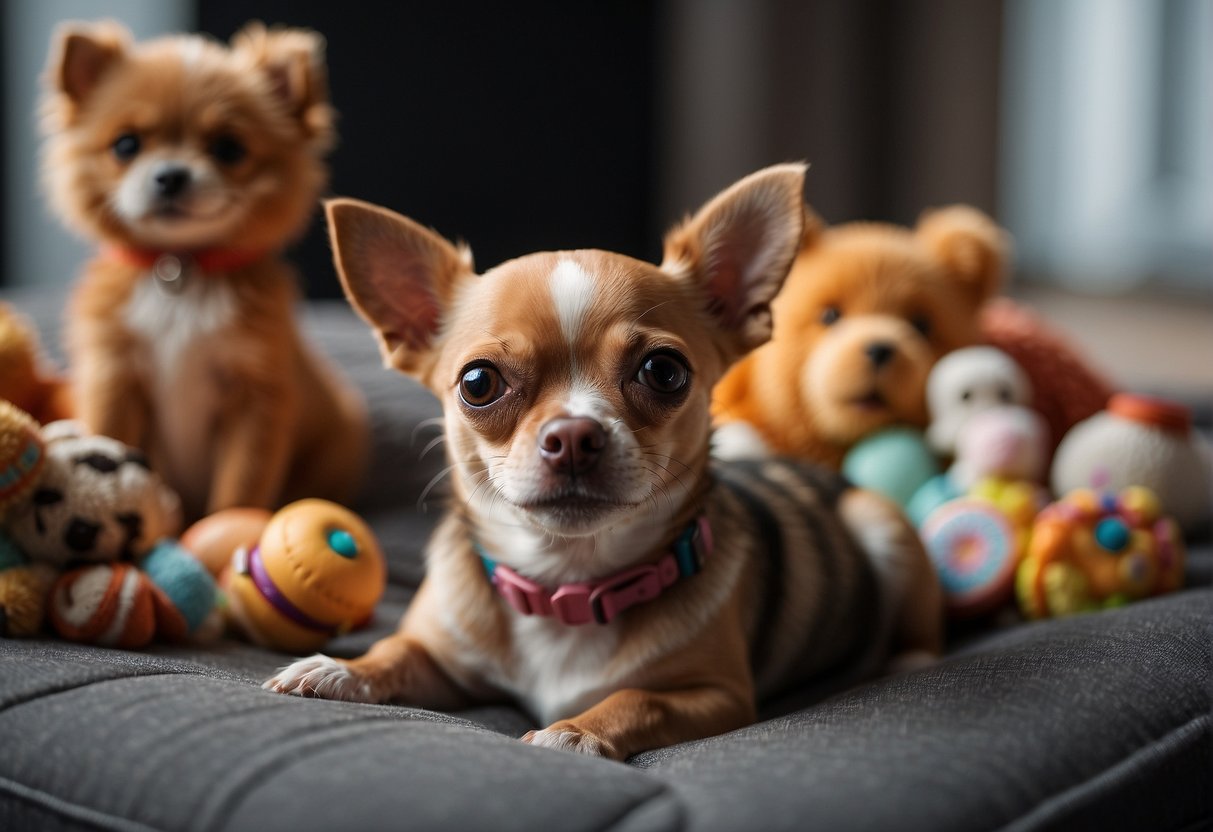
228, 150
830, 315
481, 385
923, 324
664, 371
126, 147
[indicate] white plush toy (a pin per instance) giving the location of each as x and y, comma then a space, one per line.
966, 382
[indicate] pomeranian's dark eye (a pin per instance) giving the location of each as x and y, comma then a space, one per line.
228, 150
126, 147
481, 385
830, 315
664, 371
923, 324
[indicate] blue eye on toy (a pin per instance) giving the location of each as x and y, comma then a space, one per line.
343, 543
1112, 534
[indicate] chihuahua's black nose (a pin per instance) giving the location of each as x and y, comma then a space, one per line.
879, 353
171, 181
571, 445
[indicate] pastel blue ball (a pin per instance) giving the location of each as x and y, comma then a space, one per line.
183, 579
894, 462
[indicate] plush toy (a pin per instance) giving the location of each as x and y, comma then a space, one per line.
1066, 388
311, 571
169, 596
95, 500
977, 542
90, 505
1139, 440
23, 381
864, 315
966, 382
23, 585
1094, 550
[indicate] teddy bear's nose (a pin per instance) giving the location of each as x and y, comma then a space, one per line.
572, 445
81, 535
879, 353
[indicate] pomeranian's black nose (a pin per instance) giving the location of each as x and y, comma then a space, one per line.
171, 181
571, 445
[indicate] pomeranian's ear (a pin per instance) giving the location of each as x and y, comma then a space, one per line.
399, 276
739, 248
293, 61
969, 244
81, 54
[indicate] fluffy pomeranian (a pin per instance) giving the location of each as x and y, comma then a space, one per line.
192, 164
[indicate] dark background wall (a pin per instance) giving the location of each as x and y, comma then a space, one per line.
530, 125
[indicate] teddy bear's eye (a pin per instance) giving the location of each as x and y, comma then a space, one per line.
966, 395
830, 315
1004, 395
923, 324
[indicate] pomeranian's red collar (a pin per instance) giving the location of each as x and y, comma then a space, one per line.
601, 601
203, 260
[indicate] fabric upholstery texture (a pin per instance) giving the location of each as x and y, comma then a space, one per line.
1099, 721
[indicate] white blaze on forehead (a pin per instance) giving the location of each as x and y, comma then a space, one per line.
572, 292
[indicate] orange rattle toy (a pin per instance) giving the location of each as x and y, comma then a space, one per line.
314, 571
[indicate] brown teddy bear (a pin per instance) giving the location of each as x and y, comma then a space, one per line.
865, 313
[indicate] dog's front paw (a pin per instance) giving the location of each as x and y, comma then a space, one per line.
323, 677
566, 736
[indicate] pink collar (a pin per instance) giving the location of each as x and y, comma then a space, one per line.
604, 599
207, 260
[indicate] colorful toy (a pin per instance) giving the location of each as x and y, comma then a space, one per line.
69, 499
1005, 442
895, 462
23, 381
169, 596
978, 541
314, 571
1091, 551
1143, 441
23, 585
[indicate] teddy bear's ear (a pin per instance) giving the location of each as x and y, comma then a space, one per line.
969, 244
81, 53
814, 227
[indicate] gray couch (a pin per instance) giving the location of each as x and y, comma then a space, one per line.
1100, 721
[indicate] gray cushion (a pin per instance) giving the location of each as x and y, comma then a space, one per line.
1099, 721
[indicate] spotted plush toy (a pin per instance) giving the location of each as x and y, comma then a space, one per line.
96, 500
94, 514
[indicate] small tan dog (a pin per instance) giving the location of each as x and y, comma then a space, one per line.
597, 567
193, 164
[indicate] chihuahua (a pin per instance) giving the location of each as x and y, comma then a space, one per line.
192, 164
598, 567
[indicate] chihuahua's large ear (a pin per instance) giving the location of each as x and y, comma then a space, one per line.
81, 53
293, 61
739, 248
399, 276
969, 244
